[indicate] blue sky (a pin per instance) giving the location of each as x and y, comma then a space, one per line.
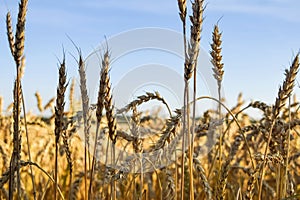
260, 38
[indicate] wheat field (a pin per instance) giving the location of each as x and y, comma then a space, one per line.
95, 151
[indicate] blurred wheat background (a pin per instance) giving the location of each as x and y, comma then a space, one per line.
72, 148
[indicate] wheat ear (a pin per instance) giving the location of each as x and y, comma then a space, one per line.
39, 101
169, 131
287, 87
143, 99
20, 32
10, 35
71, 97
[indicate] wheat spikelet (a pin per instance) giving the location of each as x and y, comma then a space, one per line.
201, 173
143, 99
71, 97
84, 94
60, 101
169, 186
9, 32
137, 142
49, 104
193, 47
4, 157
238, 105
287, 87
20, 32
182, 9
111, 121
172, 125
125, 136
39, 101
217, 56
67, 149
10, 107
104, 83
22, 67
262, 106
221, 185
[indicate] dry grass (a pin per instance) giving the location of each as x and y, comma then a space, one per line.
251, 158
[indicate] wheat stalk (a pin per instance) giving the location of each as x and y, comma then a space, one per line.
86, 115
218, 75
16, 155
111, 120
59, 115
191, 56
103, 85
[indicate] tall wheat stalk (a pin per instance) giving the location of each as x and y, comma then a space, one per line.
218, 75
103, 84
16, 44
191, 55
183, 12
59, 117
85, 110
111, 120
196, 29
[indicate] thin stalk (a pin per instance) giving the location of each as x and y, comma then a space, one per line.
184, 113
191, 180
288, 150
114, 183
28, 145
183, 143
262, 172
